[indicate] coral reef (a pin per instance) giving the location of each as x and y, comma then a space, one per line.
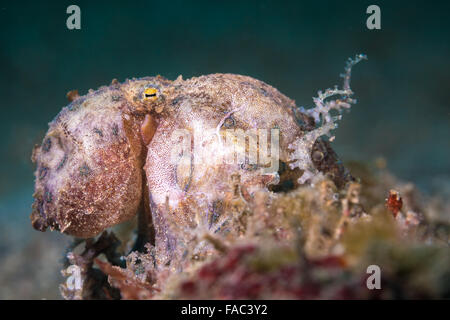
313, 242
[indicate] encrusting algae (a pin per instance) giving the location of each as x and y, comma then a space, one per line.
238, 195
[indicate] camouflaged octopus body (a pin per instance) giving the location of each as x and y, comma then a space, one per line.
109, 154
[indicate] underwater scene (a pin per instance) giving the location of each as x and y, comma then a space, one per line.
224, 150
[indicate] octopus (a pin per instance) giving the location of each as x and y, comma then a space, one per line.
168, 149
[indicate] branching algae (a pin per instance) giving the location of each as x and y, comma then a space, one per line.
237, 190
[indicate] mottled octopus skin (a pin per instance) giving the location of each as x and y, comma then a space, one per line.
90, 165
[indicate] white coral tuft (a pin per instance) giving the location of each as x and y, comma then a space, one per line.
325, 121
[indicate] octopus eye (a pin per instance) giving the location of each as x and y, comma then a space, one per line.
150, 94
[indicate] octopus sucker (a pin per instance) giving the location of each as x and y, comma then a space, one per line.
168, 149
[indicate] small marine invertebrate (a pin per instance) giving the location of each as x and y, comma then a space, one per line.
394, 202
168, 149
